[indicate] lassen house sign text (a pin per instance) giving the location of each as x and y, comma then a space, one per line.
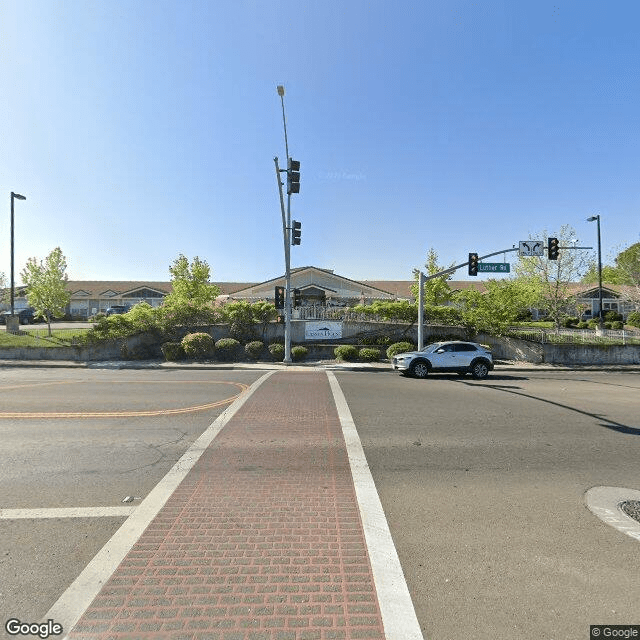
322, 330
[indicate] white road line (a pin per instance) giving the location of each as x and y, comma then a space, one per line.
398, 615
604, 502
66, 512
80, 594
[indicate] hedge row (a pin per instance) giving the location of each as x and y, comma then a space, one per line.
201, 346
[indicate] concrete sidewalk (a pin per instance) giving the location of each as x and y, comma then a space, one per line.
261, 540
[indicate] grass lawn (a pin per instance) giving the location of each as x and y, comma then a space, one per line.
40, 338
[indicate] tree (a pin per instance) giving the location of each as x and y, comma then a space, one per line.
190, 282
264, 313
497, 308
436, 291
190, 303
46, 284
610, 275
625, 272
549, 281
628, 265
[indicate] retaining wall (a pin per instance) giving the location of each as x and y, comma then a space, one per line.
115, 350
503, 348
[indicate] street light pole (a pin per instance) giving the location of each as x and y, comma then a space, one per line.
600, 318
287, 243
13, 197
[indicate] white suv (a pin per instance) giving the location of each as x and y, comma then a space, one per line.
444, 357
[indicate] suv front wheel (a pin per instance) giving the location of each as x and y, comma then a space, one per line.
420, 369
479, 369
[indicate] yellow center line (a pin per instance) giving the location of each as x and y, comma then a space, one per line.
40, 384
129, 414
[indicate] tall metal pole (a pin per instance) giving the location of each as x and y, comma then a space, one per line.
287, 262
287, 241
12, 281
13, 197
420, 310
596, 218
600, 313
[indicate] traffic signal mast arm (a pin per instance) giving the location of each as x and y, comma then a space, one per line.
480, 258
464, 264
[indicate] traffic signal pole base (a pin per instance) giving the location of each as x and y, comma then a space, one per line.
13, 323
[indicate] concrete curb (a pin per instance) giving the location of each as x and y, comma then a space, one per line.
500, 367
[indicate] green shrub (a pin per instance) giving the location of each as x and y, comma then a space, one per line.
633, 319
612, 316
198, 345
617, 325
582, 325
144, 318
523, 315
593, 323
608, 325
442, 315
227, 348
108, 328
369, 355
570, 322
346, 352
173, 351
299, 353
254, 349
173, 317
399, 347
277, 351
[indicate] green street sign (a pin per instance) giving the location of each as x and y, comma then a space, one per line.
494, 267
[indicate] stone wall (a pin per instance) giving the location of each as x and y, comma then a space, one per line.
503, 348
114, 350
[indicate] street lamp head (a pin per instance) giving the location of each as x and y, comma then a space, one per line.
593, 218
18, 196
280, 90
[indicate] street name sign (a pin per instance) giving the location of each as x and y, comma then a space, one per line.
494, 267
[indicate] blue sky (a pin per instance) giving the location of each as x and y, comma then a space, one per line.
138, 130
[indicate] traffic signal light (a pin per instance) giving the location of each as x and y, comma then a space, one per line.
279, 297
473, 264
297, 298
293, 176
552, 248
297, 232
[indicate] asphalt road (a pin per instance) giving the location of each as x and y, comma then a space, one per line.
75, 460
483, 484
